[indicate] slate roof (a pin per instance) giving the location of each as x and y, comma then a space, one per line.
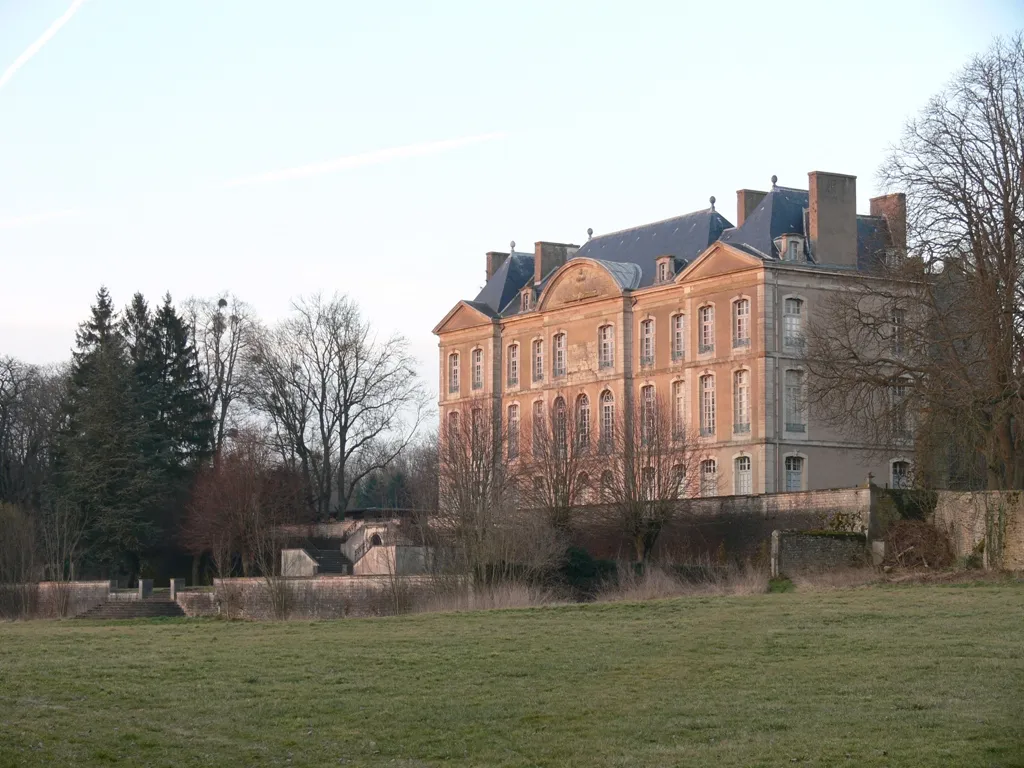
505, 284
872, 239
780, 213
684, 237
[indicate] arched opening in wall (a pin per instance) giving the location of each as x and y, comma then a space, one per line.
375, 540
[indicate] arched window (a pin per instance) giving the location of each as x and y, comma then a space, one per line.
709, 477
741, 402
583, 423
538, 360
794, 473
453, 372
679, 409
796, 420
477, 437
707, 330
648, 483
478, 368
901, 474
793, 324
375, 540
607, 421
513, 365
558, 355
538, 427
559, 430
453, 423
678, 481
678, 337
583, 489
647, 414
605, 346
452, 433
707, 405
647, 342
513, 430
742, 476
741, 323
607, 486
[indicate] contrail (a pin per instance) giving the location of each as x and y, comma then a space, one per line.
33, 49
373, 157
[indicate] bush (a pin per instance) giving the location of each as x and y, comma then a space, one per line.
582, 575
916, 544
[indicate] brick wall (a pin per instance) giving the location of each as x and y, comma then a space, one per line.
796, 552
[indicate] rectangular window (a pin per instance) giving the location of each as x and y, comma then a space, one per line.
709, 478
558, 355
898, 411
743, 480
478, 369
513, 431
647, 342
901, 474
663, 271
707, 405
607, 421
513, 365
679, 409
678, 337
606, 346
741, 323
453, 372
538, 428
794, 473
647, 415
741, 402
707, 330
899, 320
795, 417
524, 301
538, 360
792, 324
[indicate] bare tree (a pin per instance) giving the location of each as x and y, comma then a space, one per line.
341, 402
224, 330
653, 467
939, 333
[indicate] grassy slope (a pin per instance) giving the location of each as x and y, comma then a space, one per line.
869, 677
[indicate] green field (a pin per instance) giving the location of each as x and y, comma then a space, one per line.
876, 676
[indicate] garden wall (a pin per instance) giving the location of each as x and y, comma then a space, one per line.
796, 552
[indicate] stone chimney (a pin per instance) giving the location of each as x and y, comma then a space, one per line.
548, 257
832, 218
893, 208
746, 201
494, 262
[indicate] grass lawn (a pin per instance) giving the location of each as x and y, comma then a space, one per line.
877, 676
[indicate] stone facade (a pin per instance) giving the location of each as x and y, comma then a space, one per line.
797, 552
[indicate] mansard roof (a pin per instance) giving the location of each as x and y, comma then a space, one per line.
510, 278
780, 213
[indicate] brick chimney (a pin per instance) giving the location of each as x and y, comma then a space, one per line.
832, 218
548, 257
893, 208
494, 261
746, 201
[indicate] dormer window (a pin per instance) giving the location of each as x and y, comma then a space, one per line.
665, 269
525, 300
791, 247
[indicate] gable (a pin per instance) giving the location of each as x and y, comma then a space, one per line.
719, 259
462, 316
578, 282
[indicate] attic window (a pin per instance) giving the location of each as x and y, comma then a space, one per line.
665, 269
791, 247
524, 301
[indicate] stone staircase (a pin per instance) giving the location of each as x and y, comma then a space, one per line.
145, 608
330, 561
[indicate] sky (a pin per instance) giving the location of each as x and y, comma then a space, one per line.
273, 149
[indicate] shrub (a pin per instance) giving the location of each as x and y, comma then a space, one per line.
915, 544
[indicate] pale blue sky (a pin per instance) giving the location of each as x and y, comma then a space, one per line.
119, 136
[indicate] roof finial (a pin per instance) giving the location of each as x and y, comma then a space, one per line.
512, 246
590, 232
774, 180
712, 199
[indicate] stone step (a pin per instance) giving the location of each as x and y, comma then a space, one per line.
133, 609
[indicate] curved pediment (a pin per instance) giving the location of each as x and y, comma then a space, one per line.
586, 279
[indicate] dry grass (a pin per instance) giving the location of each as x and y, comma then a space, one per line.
657, 582
840, 578
463, 597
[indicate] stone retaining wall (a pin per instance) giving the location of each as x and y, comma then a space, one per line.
796, 552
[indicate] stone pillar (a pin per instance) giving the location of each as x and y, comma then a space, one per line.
145, 588
176, 586
776, 547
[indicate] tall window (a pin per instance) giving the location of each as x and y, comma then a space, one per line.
453, 372
607, 421
794, 473
513, 365
678, 481
742, 476
898, 411
559, 427
606, 346
647, 415
524, 301
793, 324
513, 430
607, 485
478, 368
538, 360
647, 482
709, 477
582, 423
558, 355
796, 420
741, 402
741, 323
452, 436
584, 493
678, 337
647, 342
679, 409
664, 272
899, 329
707, 405
707, 330
538, 428
477, 435
901, 474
